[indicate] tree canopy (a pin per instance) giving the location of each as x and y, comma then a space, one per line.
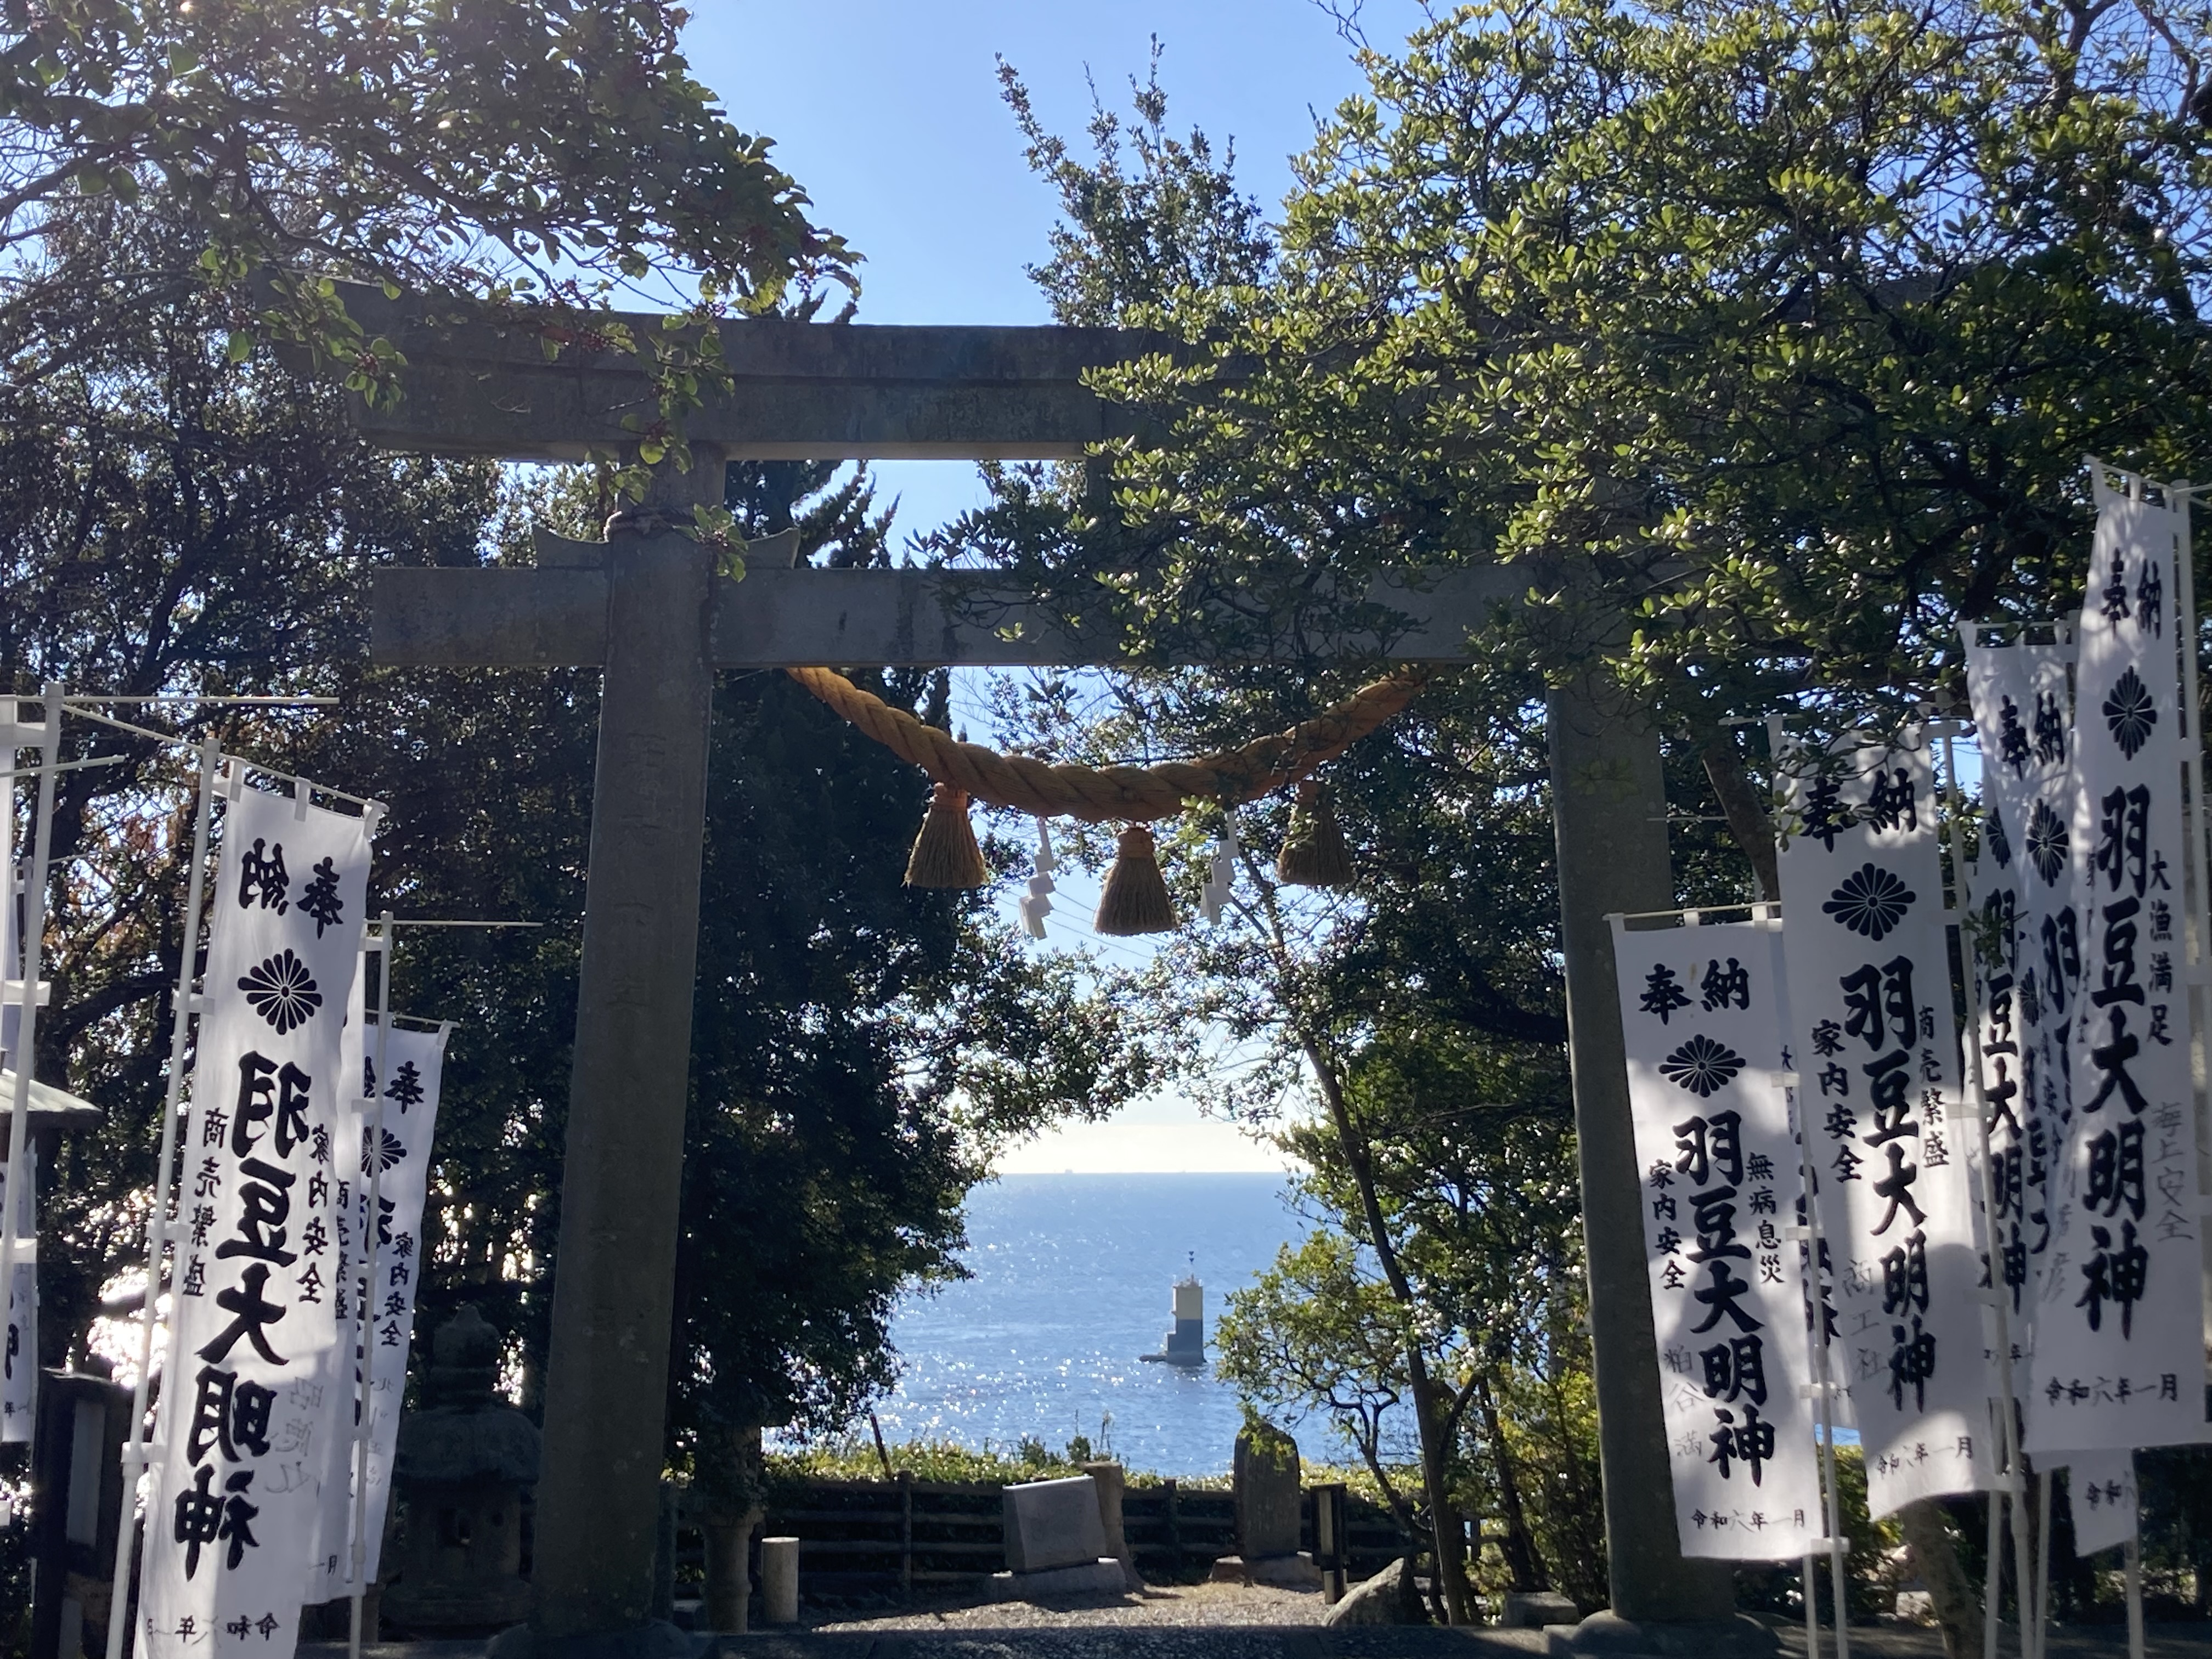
1767, 337
545, 147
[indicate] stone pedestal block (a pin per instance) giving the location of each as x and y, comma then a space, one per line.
1054, 1523
1296, 1571
1100, 1577
1538, 1610
1607, 1634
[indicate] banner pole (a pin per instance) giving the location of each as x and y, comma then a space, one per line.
137, 1451
1992, 1589
1809, 1566
1824, 1394
2002, 1416
35, 928
2042, 1565
2133, 1561
361, 1324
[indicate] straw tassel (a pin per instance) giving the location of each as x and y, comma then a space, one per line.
1135, 899
944, 852
1314, 854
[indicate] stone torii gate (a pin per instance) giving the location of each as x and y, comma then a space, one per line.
647, 607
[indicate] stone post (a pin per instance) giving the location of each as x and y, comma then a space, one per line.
598, 1506
1112, 1481
1608, 807
780, 1581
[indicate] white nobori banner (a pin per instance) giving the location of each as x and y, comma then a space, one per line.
2100, 1493
414, 1067
229, 1520
1701, 1011
2026, 960
332, 1472
2119, 1355
19, 1363
1876, 1047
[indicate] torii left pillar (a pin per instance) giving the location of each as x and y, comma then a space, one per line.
606, 1376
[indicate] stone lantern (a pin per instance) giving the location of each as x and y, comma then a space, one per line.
465, 1467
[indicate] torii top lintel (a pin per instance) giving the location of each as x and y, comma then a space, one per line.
479, 382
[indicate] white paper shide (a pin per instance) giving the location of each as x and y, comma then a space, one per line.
1700, 1012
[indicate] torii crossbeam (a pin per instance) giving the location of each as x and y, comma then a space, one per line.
648, 608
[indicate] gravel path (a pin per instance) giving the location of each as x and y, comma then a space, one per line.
1158, 1604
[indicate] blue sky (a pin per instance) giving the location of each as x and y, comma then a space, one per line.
888, 114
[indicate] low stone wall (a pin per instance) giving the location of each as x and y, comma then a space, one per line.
868, 1537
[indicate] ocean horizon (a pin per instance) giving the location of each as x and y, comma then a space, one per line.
1072, 1275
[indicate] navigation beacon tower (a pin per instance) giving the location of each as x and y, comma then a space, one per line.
1186, 1343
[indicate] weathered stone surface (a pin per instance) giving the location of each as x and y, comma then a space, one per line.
1609, 812
481, 383
1294, 1572
1277, 1572
1101, 1577
606, 1363
1267, 1481
462, 1468
468, 1433
1112, 1480
1054, 1523
555, 616
780, 1581
1381, 1600
1533, 1609
1606, 1633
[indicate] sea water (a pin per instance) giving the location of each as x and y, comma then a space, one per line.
1072, 1275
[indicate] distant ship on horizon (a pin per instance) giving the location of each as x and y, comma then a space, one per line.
1186, 1344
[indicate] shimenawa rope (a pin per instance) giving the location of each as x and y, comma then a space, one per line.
1131, 794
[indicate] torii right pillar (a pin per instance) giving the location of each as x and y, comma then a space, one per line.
1609, 813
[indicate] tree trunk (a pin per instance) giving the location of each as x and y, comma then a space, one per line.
725, 1497
1430, 1410
1522, 1563
729, 1587
1747, 816
1446, 1524
1936, 1560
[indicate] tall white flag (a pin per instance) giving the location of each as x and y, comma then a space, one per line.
2100, 1492
2119, 1356
229, 1522
414, 1065
329, 1559
19, 1361
2026, 965
1876, 1048
1701, 1011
